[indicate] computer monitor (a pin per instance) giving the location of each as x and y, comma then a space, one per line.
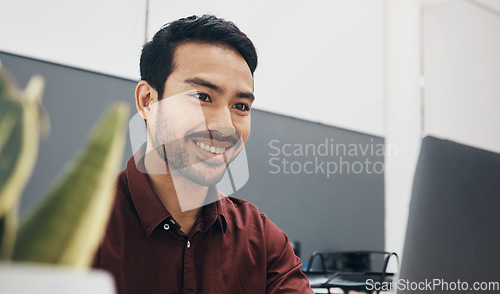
453, 234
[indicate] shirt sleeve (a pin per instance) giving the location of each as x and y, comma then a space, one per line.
283, 266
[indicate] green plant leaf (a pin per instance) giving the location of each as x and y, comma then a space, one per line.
19, 140
11, 137
66, 227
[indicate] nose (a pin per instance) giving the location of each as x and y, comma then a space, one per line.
220, 120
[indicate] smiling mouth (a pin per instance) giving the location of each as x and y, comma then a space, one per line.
210, 148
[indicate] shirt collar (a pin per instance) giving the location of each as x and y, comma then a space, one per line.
149, 208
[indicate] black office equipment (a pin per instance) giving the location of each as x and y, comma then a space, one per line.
453, 234
349, 270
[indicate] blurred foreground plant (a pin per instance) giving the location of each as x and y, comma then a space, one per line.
65, 227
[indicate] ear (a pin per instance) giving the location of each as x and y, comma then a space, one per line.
145, 95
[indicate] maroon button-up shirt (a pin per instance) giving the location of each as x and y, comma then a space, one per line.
232, 247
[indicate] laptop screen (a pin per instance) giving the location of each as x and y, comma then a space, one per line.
453, 234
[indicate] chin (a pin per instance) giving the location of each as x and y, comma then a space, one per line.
204, 178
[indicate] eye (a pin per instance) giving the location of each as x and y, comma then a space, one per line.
202, 96
242, 106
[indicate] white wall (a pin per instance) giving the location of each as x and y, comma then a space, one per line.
462, 70
403, 115
103, 36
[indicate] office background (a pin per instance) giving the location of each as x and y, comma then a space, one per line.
389, 70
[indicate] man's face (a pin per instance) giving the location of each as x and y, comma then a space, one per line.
203, 118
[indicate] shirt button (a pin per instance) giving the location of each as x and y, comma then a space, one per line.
166, 227
188, 244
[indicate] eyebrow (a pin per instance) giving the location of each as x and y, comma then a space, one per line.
207, 84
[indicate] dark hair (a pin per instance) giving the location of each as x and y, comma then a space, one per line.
157, 55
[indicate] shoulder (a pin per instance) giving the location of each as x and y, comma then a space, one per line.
122, 189
241, 214
121, 180
238, 204
242, 210
123, 200
282, 265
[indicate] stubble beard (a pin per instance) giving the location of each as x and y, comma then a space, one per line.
174, 156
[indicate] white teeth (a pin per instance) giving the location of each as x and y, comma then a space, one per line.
211, 148
219, 150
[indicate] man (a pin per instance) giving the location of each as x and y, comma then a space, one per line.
171, 230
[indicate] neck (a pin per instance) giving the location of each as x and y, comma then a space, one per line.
180, 196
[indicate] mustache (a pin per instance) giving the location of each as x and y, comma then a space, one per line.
215, 135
